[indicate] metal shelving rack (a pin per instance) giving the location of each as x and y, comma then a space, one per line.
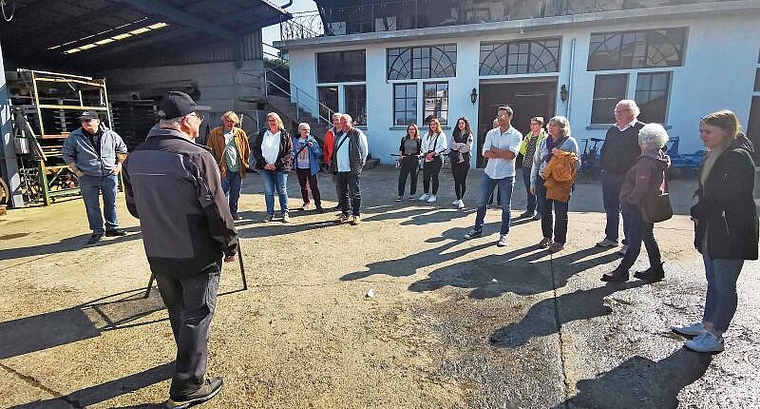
45, 109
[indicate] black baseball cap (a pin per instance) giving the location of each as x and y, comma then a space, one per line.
177, 104
87, 115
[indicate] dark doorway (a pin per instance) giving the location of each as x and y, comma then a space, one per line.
527, 99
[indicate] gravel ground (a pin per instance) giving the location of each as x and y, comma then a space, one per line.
452, 323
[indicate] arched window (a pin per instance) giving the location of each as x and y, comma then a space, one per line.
519, 57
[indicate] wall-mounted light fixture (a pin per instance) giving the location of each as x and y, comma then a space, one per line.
563, 93
474, 96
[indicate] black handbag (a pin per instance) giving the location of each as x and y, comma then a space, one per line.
656, 208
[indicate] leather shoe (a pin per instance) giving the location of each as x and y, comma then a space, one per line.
94, 238
115, 233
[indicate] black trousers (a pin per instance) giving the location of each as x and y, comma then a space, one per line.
460, 178
410, 165
306, 178
431, 170
191, 302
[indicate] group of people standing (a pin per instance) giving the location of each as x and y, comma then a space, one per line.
186, 199
274, 154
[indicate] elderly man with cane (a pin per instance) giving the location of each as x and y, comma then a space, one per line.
173, 186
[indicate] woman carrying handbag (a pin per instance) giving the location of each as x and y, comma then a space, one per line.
644, 180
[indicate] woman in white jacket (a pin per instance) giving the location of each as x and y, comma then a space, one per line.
433, 146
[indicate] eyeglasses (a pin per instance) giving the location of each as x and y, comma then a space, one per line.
504, 116
197, 115
87, 121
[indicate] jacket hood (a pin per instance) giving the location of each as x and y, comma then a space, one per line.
661, 160
742, 142
157, 132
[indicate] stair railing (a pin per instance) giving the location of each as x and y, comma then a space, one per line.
296, 94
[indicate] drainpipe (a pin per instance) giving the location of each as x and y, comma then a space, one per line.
570, 80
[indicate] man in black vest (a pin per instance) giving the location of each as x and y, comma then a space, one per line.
618, 154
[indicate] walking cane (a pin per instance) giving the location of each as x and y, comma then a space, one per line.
242, 267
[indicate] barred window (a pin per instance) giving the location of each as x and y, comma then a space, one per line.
637, 49
437, 101
404, 104
356, 103
422, 62
519, 57
652, 91
341, 66
608, 90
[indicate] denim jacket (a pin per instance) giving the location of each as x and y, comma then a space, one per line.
78, 148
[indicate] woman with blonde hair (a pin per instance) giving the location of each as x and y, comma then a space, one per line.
725, 225
273, 153
433, 146
409, 154
230, 147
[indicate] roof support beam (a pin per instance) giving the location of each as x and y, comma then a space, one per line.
182, 18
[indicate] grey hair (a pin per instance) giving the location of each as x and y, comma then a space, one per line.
303, 124
653, 137
336, 114
631, 104
348, 117
563, 124
174, 123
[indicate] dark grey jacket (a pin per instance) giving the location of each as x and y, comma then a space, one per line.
173, 186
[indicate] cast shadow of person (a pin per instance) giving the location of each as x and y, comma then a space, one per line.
641, 383
547, 316
408, 265
524, 271
105, 391
66, 245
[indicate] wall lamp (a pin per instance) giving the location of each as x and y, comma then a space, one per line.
563, 93
474, 96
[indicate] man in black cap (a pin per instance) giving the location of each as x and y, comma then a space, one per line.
94, 154
173, 186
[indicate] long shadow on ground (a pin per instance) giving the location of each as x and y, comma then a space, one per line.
99, 393
641, 383
517, 271
547, 316
66, 245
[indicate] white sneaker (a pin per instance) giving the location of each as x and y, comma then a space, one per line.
502, 240
691, 330
623, 250
424, 197
460, 205
432, 199
706, 342
455, 203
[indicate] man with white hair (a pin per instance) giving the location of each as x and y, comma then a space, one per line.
618, 154
348, 160
174, 187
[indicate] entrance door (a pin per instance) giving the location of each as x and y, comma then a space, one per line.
527, 99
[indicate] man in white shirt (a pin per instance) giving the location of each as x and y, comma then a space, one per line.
348, 160
500, 147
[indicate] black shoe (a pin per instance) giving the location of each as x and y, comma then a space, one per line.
617, 275
525, 215
208, 390
115, 232
652, 274
94, 238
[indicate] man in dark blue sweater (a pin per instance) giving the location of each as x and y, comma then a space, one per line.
618, 154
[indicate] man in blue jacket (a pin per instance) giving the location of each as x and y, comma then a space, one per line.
94, 154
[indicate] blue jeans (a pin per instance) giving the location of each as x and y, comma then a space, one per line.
91, 188
231, 185
639, 231
549, 226
611, 185
530, 198
722, 300
275, 181
348, 189
505, 190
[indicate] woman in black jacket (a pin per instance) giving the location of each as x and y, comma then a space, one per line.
726, 226
409, 158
